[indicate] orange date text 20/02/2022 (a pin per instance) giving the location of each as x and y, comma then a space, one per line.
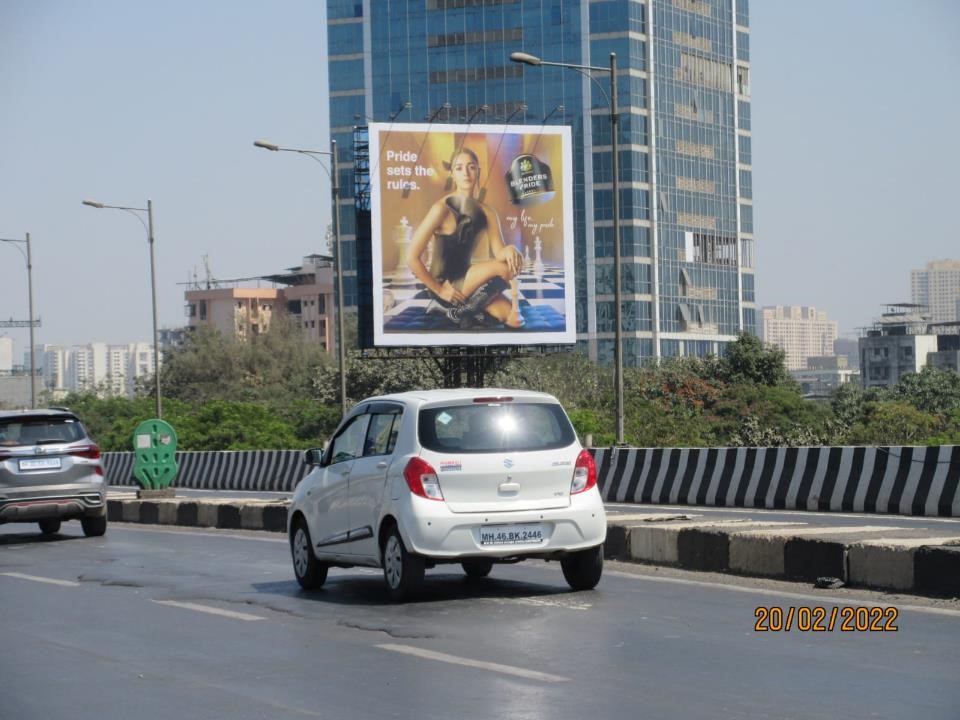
816, 618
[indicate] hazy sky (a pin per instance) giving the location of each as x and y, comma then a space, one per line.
856, 151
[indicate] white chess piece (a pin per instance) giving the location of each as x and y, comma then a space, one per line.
526, 254
403, 236
538, 268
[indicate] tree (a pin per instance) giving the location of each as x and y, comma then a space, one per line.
931, 390
748, 360
894, 422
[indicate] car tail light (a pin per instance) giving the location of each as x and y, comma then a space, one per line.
584, 473
493, 399
91, 451
422, 479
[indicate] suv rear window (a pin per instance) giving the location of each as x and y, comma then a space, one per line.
478, 428
39, 431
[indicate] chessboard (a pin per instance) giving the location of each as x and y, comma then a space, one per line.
542, 304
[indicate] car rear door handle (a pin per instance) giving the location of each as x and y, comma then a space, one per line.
382, 464
509, 487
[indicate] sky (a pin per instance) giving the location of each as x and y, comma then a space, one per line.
855, 145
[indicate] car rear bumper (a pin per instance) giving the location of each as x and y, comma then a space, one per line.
430, 529
65, 502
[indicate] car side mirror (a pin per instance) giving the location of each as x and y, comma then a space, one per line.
313, 456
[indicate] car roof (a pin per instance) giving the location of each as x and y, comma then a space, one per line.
37, 413
422, 397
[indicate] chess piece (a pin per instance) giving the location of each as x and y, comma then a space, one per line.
538, 268
403, 236
526, 254
515, 319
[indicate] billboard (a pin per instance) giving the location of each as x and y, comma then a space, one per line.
471, 235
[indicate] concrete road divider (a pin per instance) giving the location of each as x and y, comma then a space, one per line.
884, 558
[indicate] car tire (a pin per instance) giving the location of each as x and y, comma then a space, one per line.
402, 571
50, 526
477, 567
94, 526
310, 572
582, 569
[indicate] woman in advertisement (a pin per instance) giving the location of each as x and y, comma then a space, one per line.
465, 289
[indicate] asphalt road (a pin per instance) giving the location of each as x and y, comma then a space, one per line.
154, 622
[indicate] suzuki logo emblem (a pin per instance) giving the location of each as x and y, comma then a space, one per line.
508, 463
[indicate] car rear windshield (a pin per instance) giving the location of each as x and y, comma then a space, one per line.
39, 431
495, 427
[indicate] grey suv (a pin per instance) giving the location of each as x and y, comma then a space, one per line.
50, 471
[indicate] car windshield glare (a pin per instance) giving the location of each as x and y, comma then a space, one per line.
495, 427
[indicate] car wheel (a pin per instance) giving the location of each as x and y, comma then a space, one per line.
50, 527
402, 571
477, 567
582, 569
310, 572
94, 526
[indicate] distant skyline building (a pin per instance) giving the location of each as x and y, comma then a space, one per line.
107, 369
801, 331
937, 287
6, 354
686, 210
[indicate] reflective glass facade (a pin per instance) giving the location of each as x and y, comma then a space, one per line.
686, 209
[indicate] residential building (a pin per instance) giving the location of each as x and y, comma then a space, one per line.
95, 367
903, 341
686, 210
801, 331
937, 287
245, 312
824, 374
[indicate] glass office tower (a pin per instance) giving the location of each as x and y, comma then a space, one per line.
686, 213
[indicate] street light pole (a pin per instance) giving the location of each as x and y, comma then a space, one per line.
334, 175
153, 284
527, 59
33, 369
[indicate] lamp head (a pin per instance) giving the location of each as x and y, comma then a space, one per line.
93, 203
525, 58
266, 145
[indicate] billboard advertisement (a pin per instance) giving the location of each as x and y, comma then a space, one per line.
471, 234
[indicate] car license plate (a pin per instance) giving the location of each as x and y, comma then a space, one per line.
511, 534
40, 464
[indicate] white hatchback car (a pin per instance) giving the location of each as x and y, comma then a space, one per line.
466, 476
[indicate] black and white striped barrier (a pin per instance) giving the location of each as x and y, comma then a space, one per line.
896, 480
264, 470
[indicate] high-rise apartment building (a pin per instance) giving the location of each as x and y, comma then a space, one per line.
801, 331
95, 367
937, 287
686, 210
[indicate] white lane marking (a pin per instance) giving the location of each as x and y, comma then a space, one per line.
208, 609
818, 599
37, 578
480, 664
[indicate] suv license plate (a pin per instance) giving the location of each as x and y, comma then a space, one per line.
511, 534
40, 464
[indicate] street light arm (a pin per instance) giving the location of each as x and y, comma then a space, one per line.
527, 59
17, 246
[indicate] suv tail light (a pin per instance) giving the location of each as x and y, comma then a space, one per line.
422, 479
584, 473
91, 451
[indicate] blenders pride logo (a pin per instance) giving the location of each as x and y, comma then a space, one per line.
529, 180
